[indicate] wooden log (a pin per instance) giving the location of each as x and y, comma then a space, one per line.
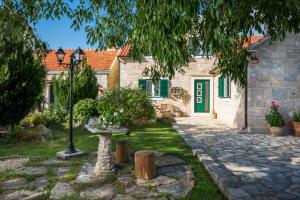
144, 165
122, 151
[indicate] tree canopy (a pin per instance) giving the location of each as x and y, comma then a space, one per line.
163, 28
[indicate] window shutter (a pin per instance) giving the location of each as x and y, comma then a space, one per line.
164, 88
142, 84
221, 86
229, 87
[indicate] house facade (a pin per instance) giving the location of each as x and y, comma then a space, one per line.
202, 95
105, 63
275, 76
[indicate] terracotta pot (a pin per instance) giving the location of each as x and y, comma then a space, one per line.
279, 131
296, 128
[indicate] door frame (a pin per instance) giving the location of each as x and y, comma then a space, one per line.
193, 113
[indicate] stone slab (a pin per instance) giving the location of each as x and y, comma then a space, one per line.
103, 192
13, 183
61, 190
63, 155
32, 170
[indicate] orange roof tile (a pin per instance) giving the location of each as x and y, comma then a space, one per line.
125, 51
100, 60
253, 40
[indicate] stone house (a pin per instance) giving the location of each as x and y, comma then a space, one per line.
275, 76
105, 63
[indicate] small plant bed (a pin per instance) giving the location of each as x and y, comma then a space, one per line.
38, 171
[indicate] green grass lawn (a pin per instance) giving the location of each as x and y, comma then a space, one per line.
158, 137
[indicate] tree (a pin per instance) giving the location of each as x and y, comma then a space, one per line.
162, 28
22, 74
84, 86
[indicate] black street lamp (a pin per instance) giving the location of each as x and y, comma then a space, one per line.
75, 58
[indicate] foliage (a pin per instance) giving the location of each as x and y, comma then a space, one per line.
296, 117
22, 79
218, 27
84, 86
126, 106
40, 118
84, 109
274, 118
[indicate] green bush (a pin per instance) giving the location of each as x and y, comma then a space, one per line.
45, 118
130, 107
296, 117
274, 118
84, 86
84, 109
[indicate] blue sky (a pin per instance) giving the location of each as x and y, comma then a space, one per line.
58, 33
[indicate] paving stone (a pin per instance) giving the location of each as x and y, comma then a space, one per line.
167, 160
13, 183
124, 179
141, 192
256, 166
41, 182
160, 180
32, 170
12, 163
85, 174
178, 172
61, 190
53, 161
61, 171
123, 197
102, 192
22, 194
178, 189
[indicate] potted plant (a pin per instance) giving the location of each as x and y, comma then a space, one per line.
296, 124
275, 119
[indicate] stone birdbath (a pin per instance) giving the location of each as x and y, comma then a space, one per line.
104, 164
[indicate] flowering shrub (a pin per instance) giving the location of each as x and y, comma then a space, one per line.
274, 118
125, 106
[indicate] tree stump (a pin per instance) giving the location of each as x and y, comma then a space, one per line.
144, 165
122, 151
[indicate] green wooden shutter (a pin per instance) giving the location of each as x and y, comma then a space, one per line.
228, 87
142, 84
164, 88
221, 86
52, 97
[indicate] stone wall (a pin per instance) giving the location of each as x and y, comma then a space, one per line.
131, 72
276, 76
230, 110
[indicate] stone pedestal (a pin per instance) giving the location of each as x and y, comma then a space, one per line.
104, 164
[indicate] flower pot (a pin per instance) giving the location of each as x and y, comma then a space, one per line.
296, 128
279, 131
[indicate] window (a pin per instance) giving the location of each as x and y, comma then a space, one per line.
224, 87
155, 89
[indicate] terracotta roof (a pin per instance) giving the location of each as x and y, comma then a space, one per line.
253, 40
100, 60
125, 51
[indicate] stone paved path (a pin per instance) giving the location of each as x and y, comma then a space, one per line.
245, 166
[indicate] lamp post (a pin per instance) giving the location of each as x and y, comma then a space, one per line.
75, 58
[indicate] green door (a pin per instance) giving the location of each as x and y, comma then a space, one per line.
201, 96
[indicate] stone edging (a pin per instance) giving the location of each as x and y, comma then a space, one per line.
225, 180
